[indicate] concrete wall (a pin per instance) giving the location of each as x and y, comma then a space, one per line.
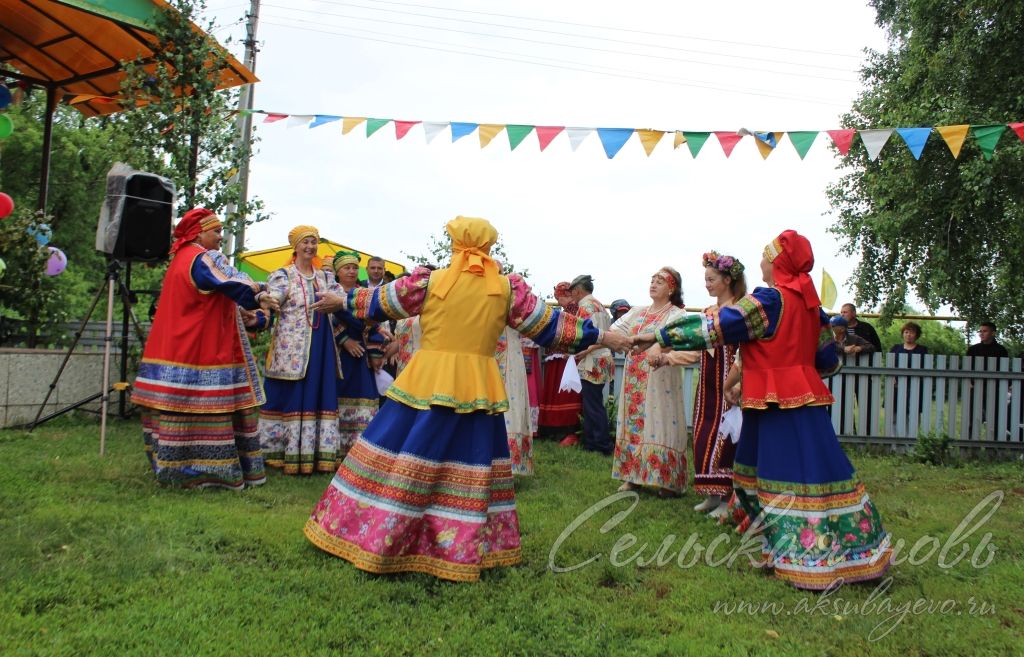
26, 375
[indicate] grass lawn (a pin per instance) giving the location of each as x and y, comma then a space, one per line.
96, 559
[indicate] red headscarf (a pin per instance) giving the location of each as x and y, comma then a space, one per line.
792, 260
194, 222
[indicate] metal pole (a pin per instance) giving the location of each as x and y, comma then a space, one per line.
44, 173
236, 244
122, 395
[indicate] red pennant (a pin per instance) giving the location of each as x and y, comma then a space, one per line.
728, 140
546, 133
1018, 128
843, 139
274, 117
402, 128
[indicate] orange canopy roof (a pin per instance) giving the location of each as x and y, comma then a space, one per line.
79, 46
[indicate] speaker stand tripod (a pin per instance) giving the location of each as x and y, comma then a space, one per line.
113, 282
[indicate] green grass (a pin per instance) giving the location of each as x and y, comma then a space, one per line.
96, 559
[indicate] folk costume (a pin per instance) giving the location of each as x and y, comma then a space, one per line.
197, 381
428, 486
650, 429
790, 473
299, 423
358, 398
559, 409
596, 369
509, 354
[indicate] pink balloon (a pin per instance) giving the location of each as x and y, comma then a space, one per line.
6, 205
57, 262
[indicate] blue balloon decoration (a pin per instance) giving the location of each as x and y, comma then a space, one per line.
42, 233
5, 96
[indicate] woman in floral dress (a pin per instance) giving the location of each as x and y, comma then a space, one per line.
509, 354
650, 433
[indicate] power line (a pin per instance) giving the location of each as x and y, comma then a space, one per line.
551, 43
623, 73
600, 27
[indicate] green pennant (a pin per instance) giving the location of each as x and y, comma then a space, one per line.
517, 133
373, 125
695, 141
987, 137
802, 140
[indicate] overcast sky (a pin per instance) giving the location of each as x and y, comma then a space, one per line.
666, 65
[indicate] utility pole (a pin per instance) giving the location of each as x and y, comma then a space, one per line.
244, 124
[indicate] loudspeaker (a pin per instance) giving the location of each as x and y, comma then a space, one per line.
145, 232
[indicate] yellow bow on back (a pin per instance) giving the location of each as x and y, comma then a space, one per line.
471, 244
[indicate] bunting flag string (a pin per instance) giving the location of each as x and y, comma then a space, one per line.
986, 136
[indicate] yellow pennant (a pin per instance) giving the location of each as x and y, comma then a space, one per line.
828, 291
954, 136
650, 139
679, 140
489, 131
348, 123
766, 149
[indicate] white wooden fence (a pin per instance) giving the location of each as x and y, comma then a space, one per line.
885, 399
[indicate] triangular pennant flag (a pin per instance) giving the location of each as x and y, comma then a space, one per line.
271, 118
695, 141
373, 125
915, 139
802, 140
321, 119
987, 137
728, 140
954, 135
843, 139
577, 135
874, 140
489, 131
545, 133
460, 130
613, 139
296, 120
650, 139
350, 122
432, 129
1018, 128
402, 128
679, 140
829, 294
767, 142
516, 134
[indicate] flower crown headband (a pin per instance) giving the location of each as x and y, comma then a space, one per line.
723, 263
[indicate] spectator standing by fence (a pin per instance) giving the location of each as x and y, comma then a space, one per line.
857, 327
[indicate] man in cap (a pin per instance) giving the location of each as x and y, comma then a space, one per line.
596, 368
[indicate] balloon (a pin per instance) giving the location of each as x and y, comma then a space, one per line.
5, 96
57, 262
42, 233
3, 267
6, 126
6, 205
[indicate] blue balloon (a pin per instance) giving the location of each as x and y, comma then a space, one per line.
5, 96
42, 233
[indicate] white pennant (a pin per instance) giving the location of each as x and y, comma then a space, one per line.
432, 129
577, 135
296, 120
874, 140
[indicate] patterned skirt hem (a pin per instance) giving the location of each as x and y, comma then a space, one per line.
416, 563
819, 581
707, 489
329, 465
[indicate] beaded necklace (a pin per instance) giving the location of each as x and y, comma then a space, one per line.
312, 316
654, 316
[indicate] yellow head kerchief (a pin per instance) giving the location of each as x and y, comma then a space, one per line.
299, 233
472, 240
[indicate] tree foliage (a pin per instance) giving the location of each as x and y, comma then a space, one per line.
181, 127
950, 231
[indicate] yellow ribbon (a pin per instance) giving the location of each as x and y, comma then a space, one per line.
477, 262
